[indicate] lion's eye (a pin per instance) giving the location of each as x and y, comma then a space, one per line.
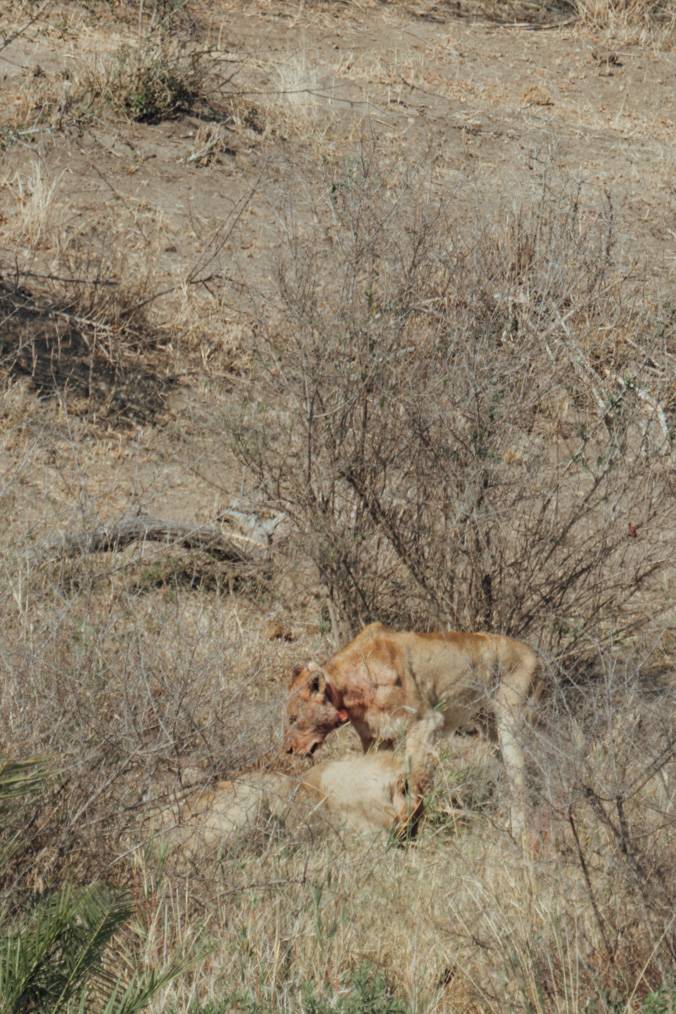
314, 685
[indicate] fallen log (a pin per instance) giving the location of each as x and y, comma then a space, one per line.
220, 540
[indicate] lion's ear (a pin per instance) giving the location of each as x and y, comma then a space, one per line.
317, 682
317, 679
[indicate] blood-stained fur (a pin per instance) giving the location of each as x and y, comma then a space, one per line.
384, 681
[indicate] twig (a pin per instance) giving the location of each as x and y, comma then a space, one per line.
12, 38
590, 889
196, 275
72, 281
649, 400
529, 26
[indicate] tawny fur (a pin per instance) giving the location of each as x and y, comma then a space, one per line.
381, 791
384, 681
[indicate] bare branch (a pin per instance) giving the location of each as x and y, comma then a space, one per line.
24, 28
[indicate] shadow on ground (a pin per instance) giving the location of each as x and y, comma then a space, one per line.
112, 366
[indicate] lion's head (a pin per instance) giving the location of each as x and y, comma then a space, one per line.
313, 710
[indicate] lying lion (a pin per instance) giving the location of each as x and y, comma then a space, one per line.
382, 791
385, 681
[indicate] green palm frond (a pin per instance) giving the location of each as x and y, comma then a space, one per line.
17, 779
140, 990
101, 912
66, 954
54, 961
58, 948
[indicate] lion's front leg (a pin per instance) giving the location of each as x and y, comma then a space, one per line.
420, 760
421, 739
409, 805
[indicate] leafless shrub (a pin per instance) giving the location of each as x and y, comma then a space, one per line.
122, 695
470, 429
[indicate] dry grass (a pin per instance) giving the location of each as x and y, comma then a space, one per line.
90, 347
298, 81
37, 202
298, 101
146, 80
624, 17
136, 697
138, 689
618, 17
459, 922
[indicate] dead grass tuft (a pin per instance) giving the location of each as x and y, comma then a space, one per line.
623, 16
148, 84
37, 205
149, 81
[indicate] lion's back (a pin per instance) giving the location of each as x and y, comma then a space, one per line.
359, 789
